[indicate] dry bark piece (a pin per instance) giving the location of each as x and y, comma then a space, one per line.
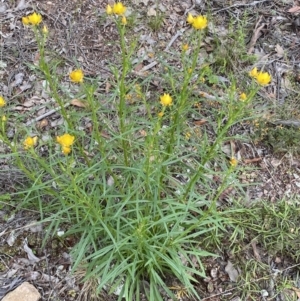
253, 160
77, 103
231, 271
24, 292
200, 122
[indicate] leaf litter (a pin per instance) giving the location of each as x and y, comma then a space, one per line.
95, 55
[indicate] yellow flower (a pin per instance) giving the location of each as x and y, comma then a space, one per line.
30, 142
109, 9
190, 19
200, 22
34, 19
66, 150
263, 78
253, 72
45, 30
25, 21
76, 76
187, 135
2, 102
160, 114
119, 8
66, 140
3, 118
124, 21
166, 100
243, 97
233, 162
185, 47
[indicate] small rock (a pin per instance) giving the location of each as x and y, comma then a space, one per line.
24, 292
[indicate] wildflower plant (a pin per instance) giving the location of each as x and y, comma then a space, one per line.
116, 185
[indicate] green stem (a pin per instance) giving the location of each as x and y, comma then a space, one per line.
122, 91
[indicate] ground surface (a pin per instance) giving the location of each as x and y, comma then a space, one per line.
80, 34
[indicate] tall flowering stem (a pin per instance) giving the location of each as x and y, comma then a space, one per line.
122, 88
234, 114
185, 92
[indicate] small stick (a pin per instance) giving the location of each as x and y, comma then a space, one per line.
256, 34
154, 63
295, 123
239, 4
45, 115
178, 33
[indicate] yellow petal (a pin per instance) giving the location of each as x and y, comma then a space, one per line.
190, 18
119, 8
263, 78
109, 9
65, 140
253, 72
66, 150
185, 47
76, 76
45, 30
2, 102
30, 142
200, 22
233, 162
25, 20
243, 97
124, 21
166, 100
35, 19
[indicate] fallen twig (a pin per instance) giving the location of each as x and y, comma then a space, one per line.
256, 34
46, 114
295, 123
238, 5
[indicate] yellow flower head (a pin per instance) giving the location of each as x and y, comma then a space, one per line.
160, 114
76, 76
243, 97
124, 21
166, 100
190, 19
109, 9
263, 78
30, 142
34, 19
185, 47
119, 8
66, 150
200, 22
45, 30
66, 140
253, 72
25, 20
233, 162
3, 118
2, 102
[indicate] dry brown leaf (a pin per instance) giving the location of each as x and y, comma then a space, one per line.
297, 291
107, 87
138, 67
294, 9
78, 103
105, 135
254, 160
199, 122
231, 271
279, 50
43, 123
151, 12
